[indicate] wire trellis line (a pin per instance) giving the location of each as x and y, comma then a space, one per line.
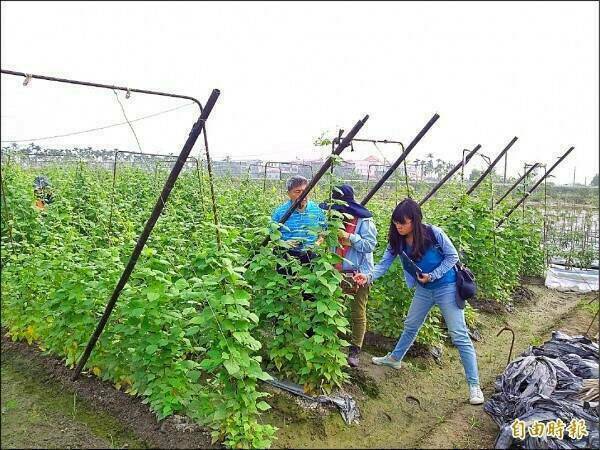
98, 128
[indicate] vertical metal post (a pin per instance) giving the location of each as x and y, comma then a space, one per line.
406, 178
547, 256
210, 176
5, 206
525, 179
200, 184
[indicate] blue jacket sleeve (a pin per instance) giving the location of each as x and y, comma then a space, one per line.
276, 215
383, 265
366, 241
450, 254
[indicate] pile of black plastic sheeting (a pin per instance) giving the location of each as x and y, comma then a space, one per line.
544, 384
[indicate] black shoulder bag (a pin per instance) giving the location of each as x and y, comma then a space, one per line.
466, 288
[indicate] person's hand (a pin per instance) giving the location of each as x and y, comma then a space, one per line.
319, 240
360, 279
343, 234
346, 242
424, 278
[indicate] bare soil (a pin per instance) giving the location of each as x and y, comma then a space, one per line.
108, 408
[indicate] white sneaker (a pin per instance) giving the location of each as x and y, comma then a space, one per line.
386, 361
475, 395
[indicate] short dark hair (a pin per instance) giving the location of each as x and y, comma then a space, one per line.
295, 181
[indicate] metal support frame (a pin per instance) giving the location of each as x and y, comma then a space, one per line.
449, 174
525, 167
197, 129
369, 171
488, 160
491, 166
173, 158
250, 166
401, 158
516, 183
378, 141
158, 207
5, 206
462, 169
269, 163
372, 141
534, 187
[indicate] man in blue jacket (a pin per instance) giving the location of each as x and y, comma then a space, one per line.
303, 226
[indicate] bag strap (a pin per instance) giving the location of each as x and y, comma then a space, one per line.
438, 246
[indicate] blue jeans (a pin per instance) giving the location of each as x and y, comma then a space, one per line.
444, 297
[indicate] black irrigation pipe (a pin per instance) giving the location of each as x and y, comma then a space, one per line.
517, 183
491, 166
326, 165
455, 169
401, 158
535, 186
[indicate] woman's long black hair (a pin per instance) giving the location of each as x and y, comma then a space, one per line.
408, 209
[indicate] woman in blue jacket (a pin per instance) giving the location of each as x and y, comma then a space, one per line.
428, 258
356, 244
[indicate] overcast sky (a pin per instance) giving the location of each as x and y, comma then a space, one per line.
291, 71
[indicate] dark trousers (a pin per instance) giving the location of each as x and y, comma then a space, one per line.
305, 257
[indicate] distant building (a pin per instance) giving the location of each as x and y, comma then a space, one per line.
362, 166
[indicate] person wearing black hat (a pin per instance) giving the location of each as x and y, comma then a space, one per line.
357, 242
42, 191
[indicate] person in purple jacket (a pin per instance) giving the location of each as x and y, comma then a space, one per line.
428, 258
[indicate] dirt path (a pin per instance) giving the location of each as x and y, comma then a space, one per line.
444, 418
43, 408
475, 429
39, 414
